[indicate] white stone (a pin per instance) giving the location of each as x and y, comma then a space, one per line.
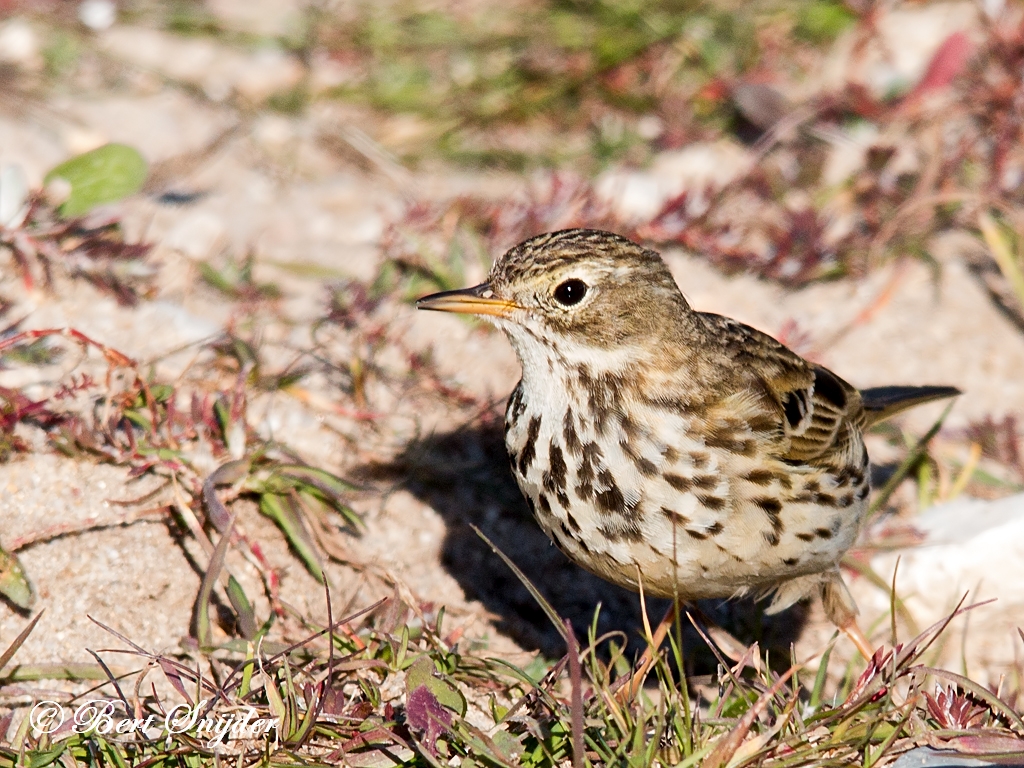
97, 15
326, 73
261, 17
78, 139
897, 55
913, 36
848, 153
708, 164
197, 234
639, 195
266, 72
35, 150
993, 8
636, 195
185, 327
19, 44
650, 127
928, 757
218, 69
186, 59
273, 131
13, 193
160, 126
970, 546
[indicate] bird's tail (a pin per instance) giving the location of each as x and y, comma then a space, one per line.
882, 402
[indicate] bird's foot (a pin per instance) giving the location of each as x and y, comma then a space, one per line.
628, 691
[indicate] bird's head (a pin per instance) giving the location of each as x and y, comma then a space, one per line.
576, 291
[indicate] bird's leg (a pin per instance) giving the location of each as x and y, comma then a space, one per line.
635, 682
842, 611
854, 632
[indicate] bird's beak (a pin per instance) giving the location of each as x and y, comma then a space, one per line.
478, 300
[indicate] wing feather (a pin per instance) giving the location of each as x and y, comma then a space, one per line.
819, 415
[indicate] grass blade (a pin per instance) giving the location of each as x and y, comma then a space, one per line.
201, 628
1002, 254
908, 463
282, 511
550, 612
19, 641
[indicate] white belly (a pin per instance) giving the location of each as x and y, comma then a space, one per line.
649, 502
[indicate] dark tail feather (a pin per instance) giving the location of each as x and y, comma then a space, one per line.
882, 402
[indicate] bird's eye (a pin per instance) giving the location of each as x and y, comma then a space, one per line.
570, 292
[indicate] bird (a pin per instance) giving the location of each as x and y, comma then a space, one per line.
670, 451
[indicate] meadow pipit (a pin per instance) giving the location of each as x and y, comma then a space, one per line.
676, 451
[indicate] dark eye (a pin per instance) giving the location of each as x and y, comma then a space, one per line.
570, 292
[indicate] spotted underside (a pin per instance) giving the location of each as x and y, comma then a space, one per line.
711, 496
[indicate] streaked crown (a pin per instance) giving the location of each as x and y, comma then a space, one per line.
592, 287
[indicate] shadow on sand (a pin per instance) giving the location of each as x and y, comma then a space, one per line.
464, 476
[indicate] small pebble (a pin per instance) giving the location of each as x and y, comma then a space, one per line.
97, 15
18, 43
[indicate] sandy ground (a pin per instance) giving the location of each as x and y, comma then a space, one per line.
275, 187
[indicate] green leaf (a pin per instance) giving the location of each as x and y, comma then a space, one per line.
140, 421
14, 584
104, 175
243, 608
511, 745
423, 672
49, 757
215, 279
161, 392
823, 21
201, 627
325, 482
274, 700
319, 484
281, 510
222, 413
113, 753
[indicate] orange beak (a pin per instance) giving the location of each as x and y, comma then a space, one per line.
468, 301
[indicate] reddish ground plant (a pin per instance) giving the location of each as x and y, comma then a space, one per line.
90, 247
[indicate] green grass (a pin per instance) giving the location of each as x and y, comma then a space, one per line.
566, 65
388, 686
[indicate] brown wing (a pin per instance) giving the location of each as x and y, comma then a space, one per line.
837, 419
819, 415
